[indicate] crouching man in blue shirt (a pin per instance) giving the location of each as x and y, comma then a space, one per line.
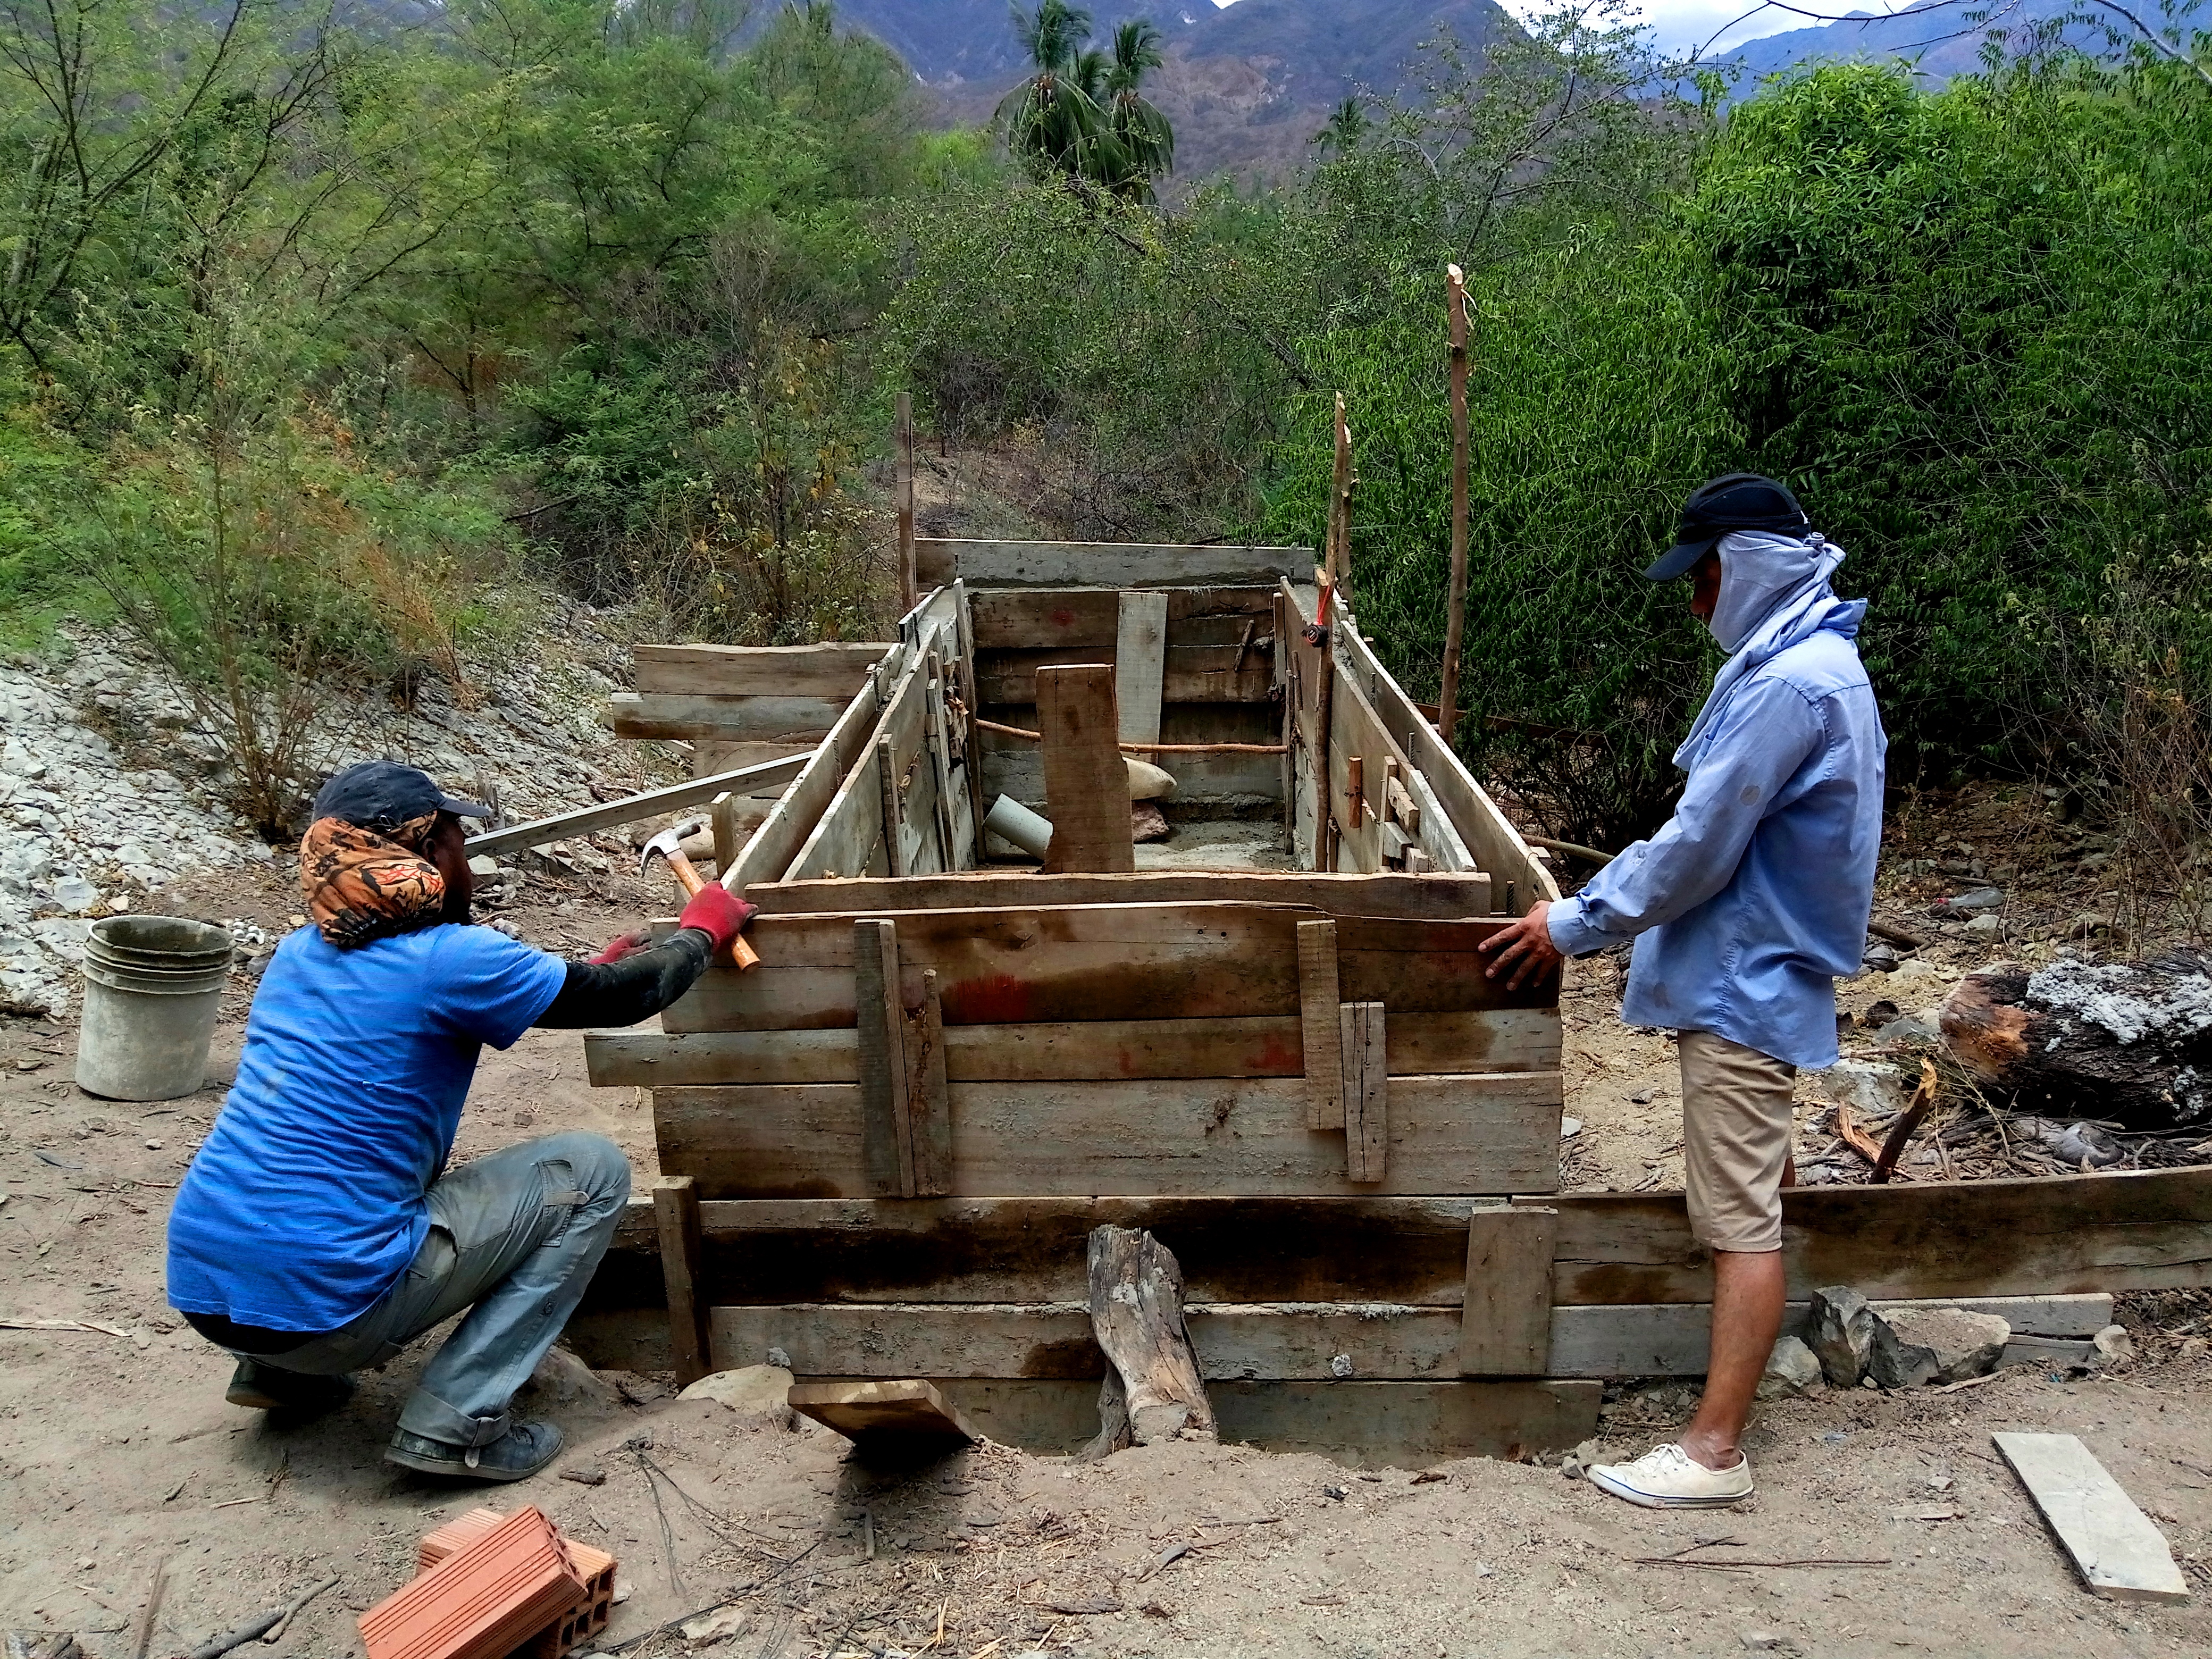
1744, 908
318, 1230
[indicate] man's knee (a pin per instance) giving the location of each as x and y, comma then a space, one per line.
599, 1165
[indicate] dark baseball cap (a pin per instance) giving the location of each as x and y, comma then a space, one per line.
1737, 500
384, 794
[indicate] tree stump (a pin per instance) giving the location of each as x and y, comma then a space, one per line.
2126, 1042
1153, 1391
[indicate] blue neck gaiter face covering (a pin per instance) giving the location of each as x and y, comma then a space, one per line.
1761, 571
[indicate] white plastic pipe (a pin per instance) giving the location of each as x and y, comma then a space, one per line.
1010, 820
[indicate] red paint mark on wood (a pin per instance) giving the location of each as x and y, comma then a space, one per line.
988, 999
1063, 618
1281, 1055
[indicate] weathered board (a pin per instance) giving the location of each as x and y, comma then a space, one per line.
2118, 1552
1432, 897
1015, 766
1104, 962
833, 668
2148, 1230
875, 1413
1505, 1320
1088, 618
1104, 564
724, 719
771, 848
1485, 1133
1184, 673
1493, 1040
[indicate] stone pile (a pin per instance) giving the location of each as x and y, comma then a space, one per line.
110, 792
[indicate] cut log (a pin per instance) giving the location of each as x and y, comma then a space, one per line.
1136, 1314
2129, 1042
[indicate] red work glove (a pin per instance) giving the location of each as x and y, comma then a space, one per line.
622, 945
718, 913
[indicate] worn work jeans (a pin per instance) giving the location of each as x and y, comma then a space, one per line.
514, 1237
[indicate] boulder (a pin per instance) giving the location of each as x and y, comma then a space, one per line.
2114, 1348
1893, 1363
760, 1395
1791, 1369
1841, 1329
1963, 1344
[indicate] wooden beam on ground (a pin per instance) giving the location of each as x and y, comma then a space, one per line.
2120, 1555
883, 1125
562, 826
1506, 1321
1140, 664
1101, 564
1086, 785
1366, 1091
2140, 1230
1321, 1036
874, 1414
676, 1209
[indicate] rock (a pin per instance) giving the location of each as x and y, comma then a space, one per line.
483, 866
1893, 1363
1981, 898
75, 894
1792, 1368
1987, 925
562, 1379
1770, 1641
1912, 1028
2114, 1348
1963, 1344
585, 1474
760, 1395
1878, 958
1868, 1087
1841, 1334
2085, 1142
1880, 1013
716, 1626
1570, 1127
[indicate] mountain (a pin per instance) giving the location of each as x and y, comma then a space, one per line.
1936, 37
1246, 88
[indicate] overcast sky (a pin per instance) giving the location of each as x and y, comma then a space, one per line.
1682, 24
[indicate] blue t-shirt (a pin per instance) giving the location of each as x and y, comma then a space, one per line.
305, 1202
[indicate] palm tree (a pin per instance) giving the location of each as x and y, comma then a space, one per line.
1142, 140
1347, 125
1053, 119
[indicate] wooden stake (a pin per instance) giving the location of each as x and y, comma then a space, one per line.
910, 580
887, 786
683, 1251
886, 1126
1338, 563
1318, 1027
1366, 1090
1455, 610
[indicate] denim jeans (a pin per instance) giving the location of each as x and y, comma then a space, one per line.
514, 1237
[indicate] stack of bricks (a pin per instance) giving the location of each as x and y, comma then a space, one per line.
493, 1585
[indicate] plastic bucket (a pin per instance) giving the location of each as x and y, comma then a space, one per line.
153, 986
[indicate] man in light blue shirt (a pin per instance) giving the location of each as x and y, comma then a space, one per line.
1744, 908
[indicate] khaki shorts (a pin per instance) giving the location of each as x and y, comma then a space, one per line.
1737, 1109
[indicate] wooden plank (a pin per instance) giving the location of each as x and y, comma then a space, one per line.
1086, 785
929, 1096
675, 1210
1494, 1040
1320, 1039
1141, 647
769, 852
887, 799
1366, 1091
1101, 564
725, 719
833, 668
1496, 845
1431, 898
742, 780
925, 1251
1188, 673
874, 1413
1669, 1339
851, 828
1104, 962
951, 853
1480, 1133
1506, 1321
2120, 1555
2141, 1231
886, 1149
1015, 766
1088, 618
1439, 837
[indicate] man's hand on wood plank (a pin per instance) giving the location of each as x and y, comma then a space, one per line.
1525, 947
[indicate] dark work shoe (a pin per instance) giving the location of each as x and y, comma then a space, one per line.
519, 1453
261, 1387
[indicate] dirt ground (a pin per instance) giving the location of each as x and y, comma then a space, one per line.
120, 1454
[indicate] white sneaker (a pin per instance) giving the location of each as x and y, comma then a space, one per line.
1669, 1477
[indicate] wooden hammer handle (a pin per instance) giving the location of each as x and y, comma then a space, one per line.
742, 955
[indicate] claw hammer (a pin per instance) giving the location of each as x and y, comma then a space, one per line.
668, 845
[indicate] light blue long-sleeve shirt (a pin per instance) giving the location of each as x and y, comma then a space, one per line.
1755, 894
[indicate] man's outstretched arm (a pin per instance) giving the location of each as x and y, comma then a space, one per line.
630, 980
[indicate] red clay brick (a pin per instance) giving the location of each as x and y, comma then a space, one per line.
492, 1595
580, 1622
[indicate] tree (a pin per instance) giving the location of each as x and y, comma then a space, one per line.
1052, 121
1347, 125
1144, 143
